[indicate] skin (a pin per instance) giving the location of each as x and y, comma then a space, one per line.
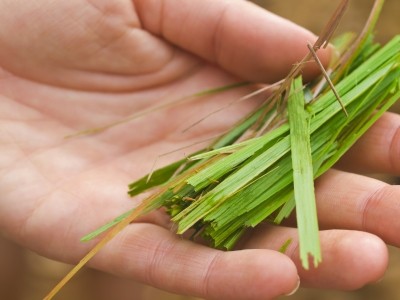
72, 65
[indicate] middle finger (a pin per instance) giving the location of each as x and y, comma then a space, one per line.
350, 201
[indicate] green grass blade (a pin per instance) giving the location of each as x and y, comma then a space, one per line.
157, 178
105, 227
303, 176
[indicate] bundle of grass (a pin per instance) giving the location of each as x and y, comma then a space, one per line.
264, 167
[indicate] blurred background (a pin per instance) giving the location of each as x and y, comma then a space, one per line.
26, 276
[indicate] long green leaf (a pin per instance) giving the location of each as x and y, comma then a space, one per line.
303, 176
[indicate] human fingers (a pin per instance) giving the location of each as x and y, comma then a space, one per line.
350, 259
237, 35
378, 151
86, 45
356, 202
153, 255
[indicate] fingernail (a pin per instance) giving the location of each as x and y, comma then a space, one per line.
295, 289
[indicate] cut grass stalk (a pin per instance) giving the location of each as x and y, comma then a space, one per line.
303, 175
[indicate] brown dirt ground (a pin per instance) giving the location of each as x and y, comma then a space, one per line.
26, 276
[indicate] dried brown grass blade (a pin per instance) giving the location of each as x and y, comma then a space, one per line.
134, 116
332, 25
351, 54
164, 105
108, 237
326, 76
322, 41
270, 87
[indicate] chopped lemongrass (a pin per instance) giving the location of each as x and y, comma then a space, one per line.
260, 169
303, 175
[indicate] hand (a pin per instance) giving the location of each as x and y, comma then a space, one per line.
72, 65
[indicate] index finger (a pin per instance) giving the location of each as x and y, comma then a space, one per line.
238, 36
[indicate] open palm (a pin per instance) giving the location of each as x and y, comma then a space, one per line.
72, 65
